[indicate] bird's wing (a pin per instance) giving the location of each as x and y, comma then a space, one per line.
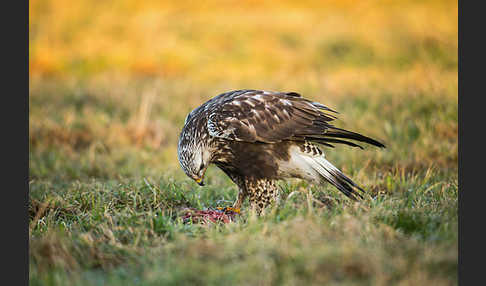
262, 116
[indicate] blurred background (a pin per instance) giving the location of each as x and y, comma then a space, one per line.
110, 76
240, 41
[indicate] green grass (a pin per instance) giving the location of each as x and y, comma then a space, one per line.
129, 233
105, 204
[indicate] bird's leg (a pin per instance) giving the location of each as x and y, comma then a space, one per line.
242, 194
262, 194
241, 198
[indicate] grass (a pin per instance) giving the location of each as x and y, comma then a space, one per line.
106, 189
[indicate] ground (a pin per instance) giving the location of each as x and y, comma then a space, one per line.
105, 112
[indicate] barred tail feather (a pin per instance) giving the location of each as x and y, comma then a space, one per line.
333, 175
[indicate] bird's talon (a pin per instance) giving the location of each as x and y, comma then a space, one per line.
229, 209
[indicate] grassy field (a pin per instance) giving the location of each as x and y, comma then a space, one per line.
111, 84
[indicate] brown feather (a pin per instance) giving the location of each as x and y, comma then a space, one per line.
270, 117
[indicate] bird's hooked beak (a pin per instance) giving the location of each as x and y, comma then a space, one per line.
200, 181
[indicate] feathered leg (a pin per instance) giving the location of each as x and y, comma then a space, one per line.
262, 193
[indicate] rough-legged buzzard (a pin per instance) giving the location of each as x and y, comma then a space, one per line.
257, 137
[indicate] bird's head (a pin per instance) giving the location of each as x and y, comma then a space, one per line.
194, 155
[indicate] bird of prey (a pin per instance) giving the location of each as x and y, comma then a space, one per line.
258, 137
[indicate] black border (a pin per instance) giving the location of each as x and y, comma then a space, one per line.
15, 144
471, 122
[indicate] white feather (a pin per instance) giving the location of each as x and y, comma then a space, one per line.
298, 166
306, 166
321, 165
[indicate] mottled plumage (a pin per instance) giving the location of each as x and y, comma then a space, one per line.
258, 137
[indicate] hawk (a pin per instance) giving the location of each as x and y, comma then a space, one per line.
258, 137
